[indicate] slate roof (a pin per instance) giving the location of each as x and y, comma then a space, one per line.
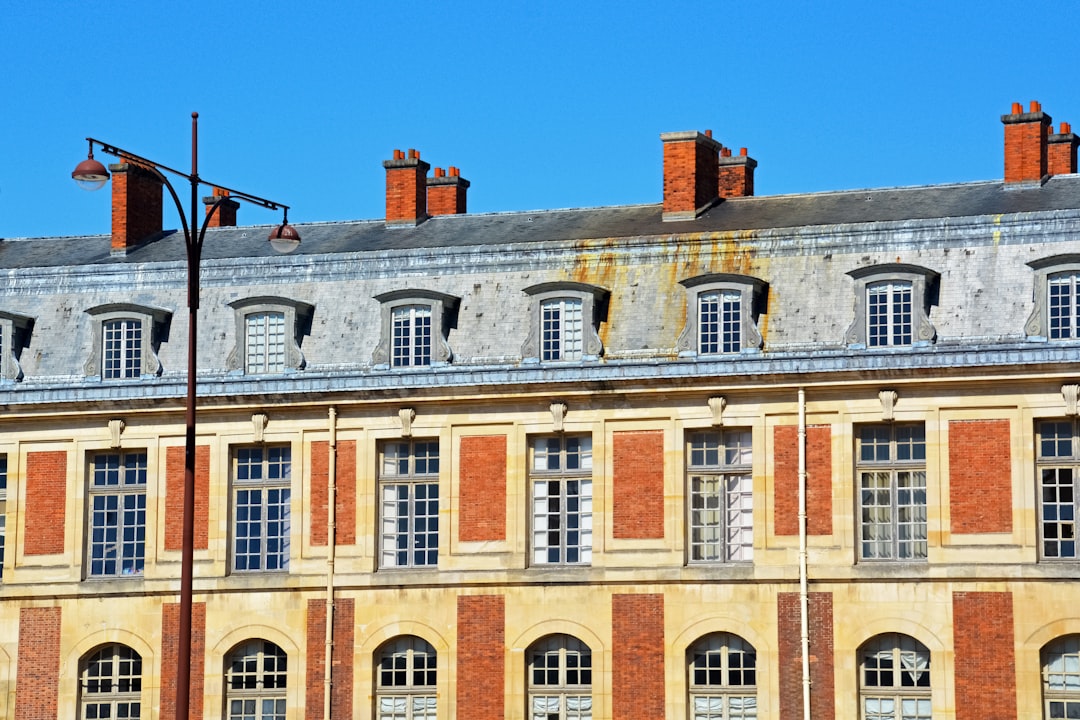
740, 214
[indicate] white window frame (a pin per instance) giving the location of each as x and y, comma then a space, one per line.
1057, 458
406, 675
1051, 319
404, 342
732, 327
891, 482
264, 342
14, 337
720, 492
559, 679
722, 678
894, 679
261, 486
564, 323
296, 318
562, 329
1060, 661
137, 347
409, 504
872, 331
110, 679
116, 509
561, 495
256, 680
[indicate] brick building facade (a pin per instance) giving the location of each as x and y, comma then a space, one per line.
724, 456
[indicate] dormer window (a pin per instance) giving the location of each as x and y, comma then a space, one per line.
416, 325
722, 314
1057, 299
14, 336
126, 341
565, 322
269, 331
892, 306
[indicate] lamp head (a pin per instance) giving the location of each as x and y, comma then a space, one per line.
284, 238
90, 174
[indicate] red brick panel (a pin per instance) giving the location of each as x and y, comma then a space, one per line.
46, 497
174, 498
637, 657
818, 479
638, 484
983, 642
38, 680
822, 691
341, 671
481, 671
482, 503
170, 654
980, 476
344, 497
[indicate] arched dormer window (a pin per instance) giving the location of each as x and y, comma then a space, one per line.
1056, 316
126, 340
269, 331
14, 336
892, 306
564, 322
415, 328
722, 311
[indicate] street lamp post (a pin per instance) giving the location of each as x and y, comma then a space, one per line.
92, 175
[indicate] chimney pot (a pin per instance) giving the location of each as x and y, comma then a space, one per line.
1035, 107
742, 151
708, 133
439, 172
1017, 108
1065, 128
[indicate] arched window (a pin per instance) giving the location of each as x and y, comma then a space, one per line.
110, 684
894, 678
1061, 678
405, 685
255, 674
723, 678
560, 679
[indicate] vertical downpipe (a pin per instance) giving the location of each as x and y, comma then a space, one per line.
331, 546
804, 595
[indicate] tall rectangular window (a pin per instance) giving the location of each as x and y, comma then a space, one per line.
262, 478
121, 349
888, 314
720, 322
409, 492
412, 335
1059, 468
561, 478
265, 342
721, 496
117, 514
561, 330
891, 466
1062, 307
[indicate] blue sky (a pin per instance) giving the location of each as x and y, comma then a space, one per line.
541, 105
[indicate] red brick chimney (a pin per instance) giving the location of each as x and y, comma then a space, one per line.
691, 173
226, 212
736, 174
1061, 151
136, 205
446, 192
406, 189
1025, 144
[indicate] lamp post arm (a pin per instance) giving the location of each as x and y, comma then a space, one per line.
147, 163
